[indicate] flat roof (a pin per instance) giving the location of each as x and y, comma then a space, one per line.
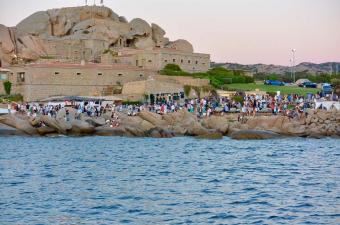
162, 50
85, 66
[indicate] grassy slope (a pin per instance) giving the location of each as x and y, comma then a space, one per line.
269, 88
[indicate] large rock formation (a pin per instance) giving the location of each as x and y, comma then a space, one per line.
21, 124
7, 44
140, 27
36, 24
253, 135
181, 45
317, 124
158, 36
29, 39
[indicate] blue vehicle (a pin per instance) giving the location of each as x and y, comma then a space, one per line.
308, 85
327, 89
274, 82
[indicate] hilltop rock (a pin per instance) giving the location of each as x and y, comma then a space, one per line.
6, 41
62, 20
122, 19
181, 45
140, 27
144, 43
30, 47
158, 36
36, 24
107, 30
30, 39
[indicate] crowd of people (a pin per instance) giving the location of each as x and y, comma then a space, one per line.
293, 106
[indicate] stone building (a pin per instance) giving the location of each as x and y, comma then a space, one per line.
38, 81
87, 50
157, 58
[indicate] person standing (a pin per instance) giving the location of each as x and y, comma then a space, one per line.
9, 107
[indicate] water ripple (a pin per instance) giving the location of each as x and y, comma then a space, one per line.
112, 180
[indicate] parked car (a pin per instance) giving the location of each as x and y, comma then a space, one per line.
274, 82
327, 89
308, 85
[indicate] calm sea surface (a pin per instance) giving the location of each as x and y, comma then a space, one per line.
113, 180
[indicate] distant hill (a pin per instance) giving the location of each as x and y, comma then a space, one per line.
312, 68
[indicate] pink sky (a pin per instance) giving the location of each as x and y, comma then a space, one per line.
242, 31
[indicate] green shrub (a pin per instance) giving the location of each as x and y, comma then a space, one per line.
11, 98
174, 73
7, 86
273, 77
128, 102
335, 82
173, 67
47, 57
217, 76
249, 79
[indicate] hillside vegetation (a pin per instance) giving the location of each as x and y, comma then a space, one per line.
217, 76
271, 89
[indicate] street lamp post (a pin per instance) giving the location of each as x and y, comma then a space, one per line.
291, 68
293, 51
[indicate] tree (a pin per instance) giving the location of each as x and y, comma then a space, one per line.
336, 85
272, 76
7, 87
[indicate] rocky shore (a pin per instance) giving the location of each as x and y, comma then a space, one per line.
317, 124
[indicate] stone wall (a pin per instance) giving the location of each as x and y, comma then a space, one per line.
184, 80
42, 81
194, 62
151, 87
66, 51
2, 90
157, 59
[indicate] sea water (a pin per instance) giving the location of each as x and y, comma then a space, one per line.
115, 180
